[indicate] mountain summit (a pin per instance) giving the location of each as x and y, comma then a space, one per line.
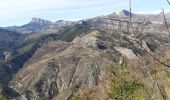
40, 21
125, 13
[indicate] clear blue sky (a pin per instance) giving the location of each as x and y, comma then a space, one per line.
18, 12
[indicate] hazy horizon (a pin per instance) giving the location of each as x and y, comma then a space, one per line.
19, 12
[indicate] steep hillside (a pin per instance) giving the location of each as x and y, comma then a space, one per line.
17, 55
59, 69
8, 38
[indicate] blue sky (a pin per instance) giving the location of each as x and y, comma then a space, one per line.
18, 12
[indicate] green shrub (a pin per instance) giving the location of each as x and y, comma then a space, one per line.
2, 97
123, 85
123, 90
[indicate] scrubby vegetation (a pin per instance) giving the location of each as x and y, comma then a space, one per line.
123, 85
85, 95
2, 97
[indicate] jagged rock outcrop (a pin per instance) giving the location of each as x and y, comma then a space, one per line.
128, 53
40, 21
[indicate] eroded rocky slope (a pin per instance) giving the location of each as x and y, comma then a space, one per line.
58, 69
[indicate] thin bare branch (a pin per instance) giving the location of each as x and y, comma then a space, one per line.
168, 2
166, 24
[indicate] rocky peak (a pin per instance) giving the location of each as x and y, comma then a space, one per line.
63, 23
60, 21
114, 14
40, 21
83, 22
125, 13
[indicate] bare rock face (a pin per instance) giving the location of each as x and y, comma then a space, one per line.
62, 23
89, 40
40, 21
129, 53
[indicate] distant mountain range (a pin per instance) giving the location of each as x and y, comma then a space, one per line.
37, 24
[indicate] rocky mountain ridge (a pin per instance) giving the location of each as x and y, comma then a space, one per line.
123, 15
37, 24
